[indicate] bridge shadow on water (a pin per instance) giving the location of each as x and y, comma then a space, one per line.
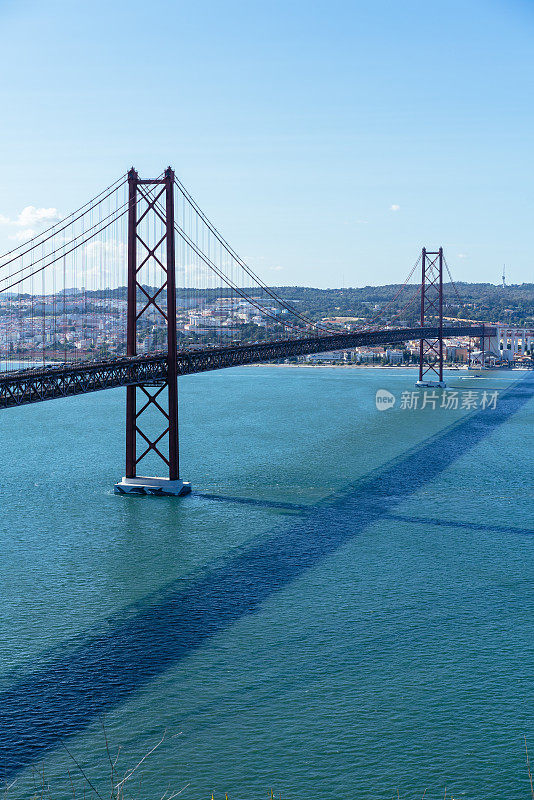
252, 501
102, 668
468, 526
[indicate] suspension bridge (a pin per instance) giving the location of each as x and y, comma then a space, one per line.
137, 287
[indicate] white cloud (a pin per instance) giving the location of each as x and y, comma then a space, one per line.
276, 269
361, 222
34, 216
394, 207
30, 215
462, 255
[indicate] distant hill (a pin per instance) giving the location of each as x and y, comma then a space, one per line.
483, 301
478, 301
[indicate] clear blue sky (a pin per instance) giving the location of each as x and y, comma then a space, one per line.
328, 141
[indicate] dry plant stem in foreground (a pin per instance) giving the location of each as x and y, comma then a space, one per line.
118, 787
529, 771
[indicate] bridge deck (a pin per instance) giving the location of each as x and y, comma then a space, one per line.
38, 384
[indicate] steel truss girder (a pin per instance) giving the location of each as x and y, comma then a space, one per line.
33, 386
36, 385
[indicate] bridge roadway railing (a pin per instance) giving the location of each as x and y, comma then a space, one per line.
65, 380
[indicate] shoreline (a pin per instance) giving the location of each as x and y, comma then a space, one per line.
337, 366
369, 366
332, 366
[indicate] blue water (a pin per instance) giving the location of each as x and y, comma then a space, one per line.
343, 606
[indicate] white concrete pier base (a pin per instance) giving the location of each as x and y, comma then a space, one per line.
159, 486
432, 384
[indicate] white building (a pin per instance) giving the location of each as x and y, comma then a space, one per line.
509, 343
394, 356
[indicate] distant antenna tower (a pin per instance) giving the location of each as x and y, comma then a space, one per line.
504, 276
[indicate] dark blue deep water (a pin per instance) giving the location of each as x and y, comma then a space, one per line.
343, 607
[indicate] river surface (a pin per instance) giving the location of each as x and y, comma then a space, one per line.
342, 608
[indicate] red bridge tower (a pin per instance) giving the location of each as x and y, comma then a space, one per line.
431, 349
151, 254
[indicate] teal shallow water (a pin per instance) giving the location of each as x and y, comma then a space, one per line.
334, 612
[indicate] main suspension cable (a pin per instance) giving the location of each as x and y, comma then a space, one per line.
209, 263
37, 239
250, 272
390, 302
452, 282
53, 252
62, 255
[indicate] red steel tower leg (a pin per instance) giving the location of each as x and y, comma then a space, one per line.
172, 377
131, 330
431, 349
148, 205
